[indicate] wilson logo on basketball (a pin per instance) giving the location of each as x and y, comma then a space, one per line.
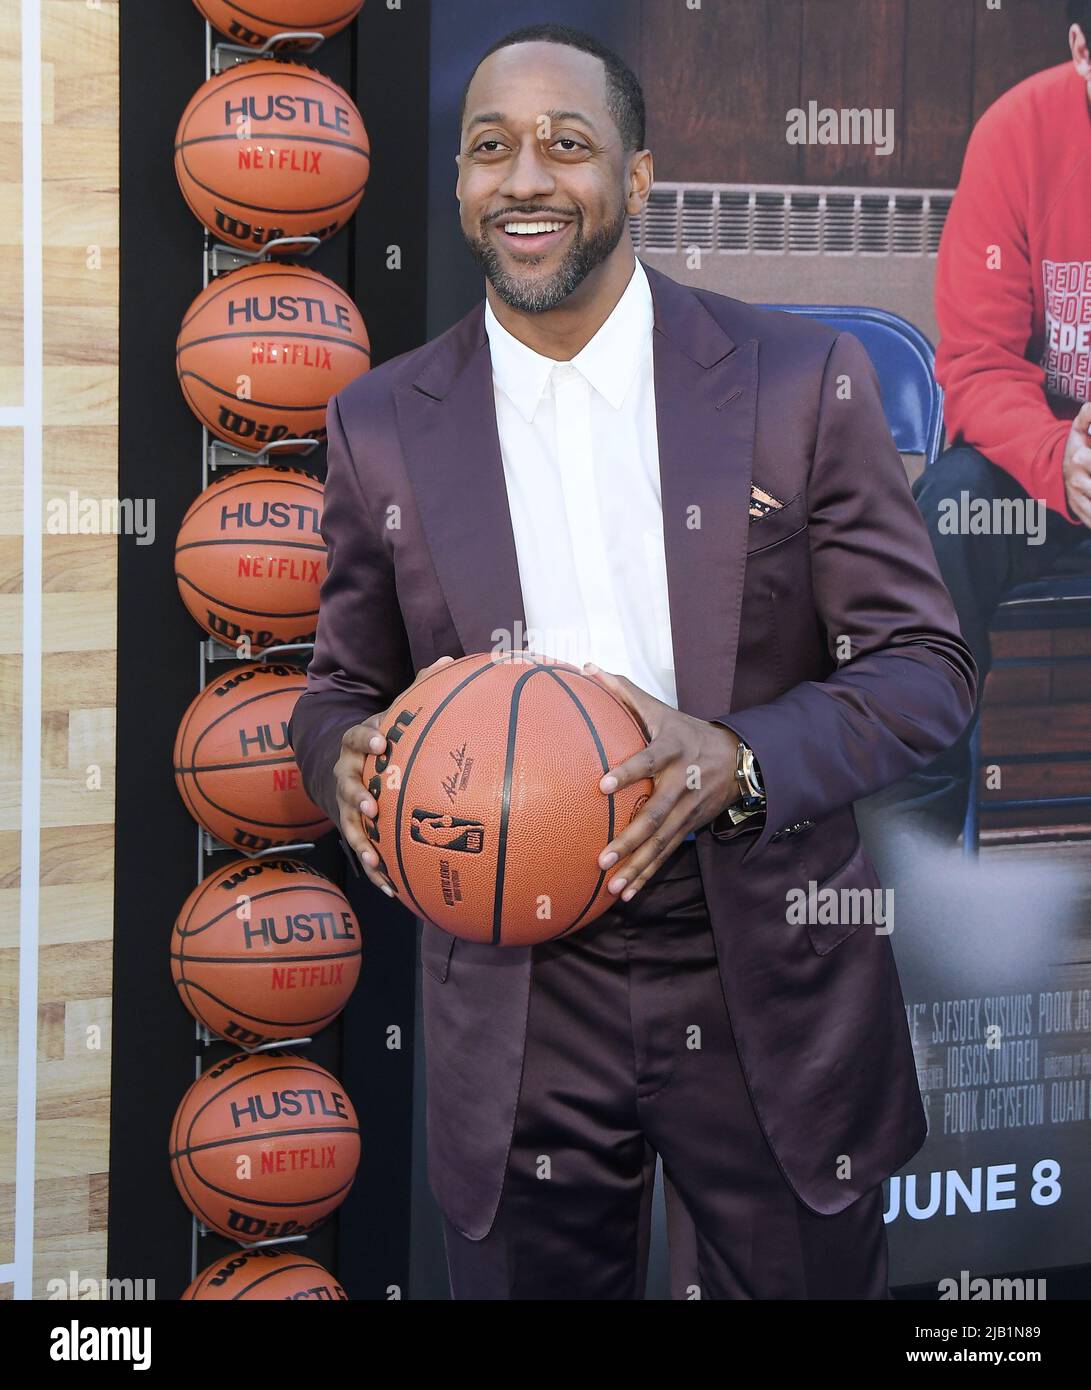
243, 1227
241, 233
445, 831
264, 1274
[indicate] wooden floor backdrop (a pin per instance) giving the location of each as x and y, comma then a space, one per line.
58, 431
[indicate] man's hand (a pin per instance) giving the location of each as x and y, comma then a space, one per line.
1077, 466
353, 799
692, 764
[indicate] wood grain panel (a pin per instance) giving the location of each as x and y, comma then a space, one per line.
79, 240
718, 83
720, 80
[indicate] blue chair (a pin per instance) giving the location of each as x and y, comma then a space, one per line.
913, 401
903, 359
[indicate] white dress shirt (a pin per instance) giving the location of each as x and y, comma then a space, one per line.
581, 466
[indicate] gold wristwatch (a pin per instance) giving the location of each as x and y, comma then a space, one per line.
751, 792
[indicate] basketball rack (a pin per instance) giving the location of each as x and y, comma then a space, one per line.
221, 258
208, 1038
221, 55
219, 455
218, 259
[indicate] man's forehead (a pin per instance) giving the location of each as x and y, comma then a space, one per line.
558, 81
555, 115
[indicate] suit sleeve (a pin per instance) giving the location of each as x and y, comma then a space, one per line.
361, 655
907, 689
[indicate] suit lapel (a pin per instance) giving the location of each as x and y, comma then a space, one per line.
706, 390
447, 423
706, 397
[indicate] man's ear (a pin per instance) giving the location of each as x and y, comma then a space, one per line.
1077, 44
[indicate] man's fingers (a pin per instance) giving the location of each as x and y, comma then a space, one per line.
640, 866
650, 827
356, 838
425, 670
645, 762
365, 737
635, 700
1082, 422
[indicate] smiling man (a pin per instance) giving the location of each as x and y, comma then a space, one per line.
702, 502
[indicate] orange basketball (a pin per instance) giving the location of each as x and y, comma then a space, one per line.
262, 349
264, 1145
271, 149
264, 1274
490, 818
234, 767
254, 21
265, 949
250, 559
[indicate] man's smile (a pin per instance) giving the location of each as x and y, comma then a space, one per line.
529, 236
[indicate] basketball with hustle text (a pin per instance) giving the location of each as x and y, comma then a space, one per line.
264, 950
264, 1145
233, 764
250, 559
490, 819
271, 149
263, 348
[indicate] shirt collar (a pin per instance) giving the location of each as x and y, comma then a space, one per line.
609, 361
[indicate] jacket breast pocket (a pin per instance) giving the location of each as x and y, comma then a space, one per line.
846, 900
769, 530
435, 949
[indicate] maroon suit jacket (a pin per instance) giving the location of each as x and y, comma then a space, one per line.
758, 608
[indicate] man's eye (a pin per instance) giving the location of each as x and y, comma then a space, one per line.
489, 146
570, 144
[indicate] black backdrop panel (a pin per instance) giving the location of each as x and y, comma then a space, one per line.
383, 62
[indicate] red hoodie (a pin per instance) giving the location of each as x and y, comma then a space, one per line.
1014, 356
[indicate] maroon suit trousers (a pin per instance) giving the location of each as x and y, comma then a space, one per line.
629, 1054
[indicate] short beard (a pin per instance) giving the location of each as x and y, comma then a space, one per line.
538, 297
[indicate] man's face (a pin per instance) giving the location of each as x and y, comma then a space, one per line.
543, 179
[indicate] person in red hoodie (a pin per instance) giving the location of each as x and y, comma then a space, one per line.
1011, 497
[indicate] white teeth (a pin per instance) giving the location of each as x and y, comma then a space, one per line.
532, 228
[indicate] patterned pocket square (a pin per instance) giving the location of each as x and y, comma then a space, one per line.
762, 503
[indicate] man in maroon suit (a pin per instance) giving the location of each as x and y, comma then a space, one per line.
705, 500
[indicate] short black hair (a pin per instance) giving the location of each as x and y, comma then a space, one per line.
1079, 12
624, 94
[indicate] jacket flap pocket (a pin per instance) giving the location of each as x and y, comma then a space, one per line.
435, 949
842, 903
